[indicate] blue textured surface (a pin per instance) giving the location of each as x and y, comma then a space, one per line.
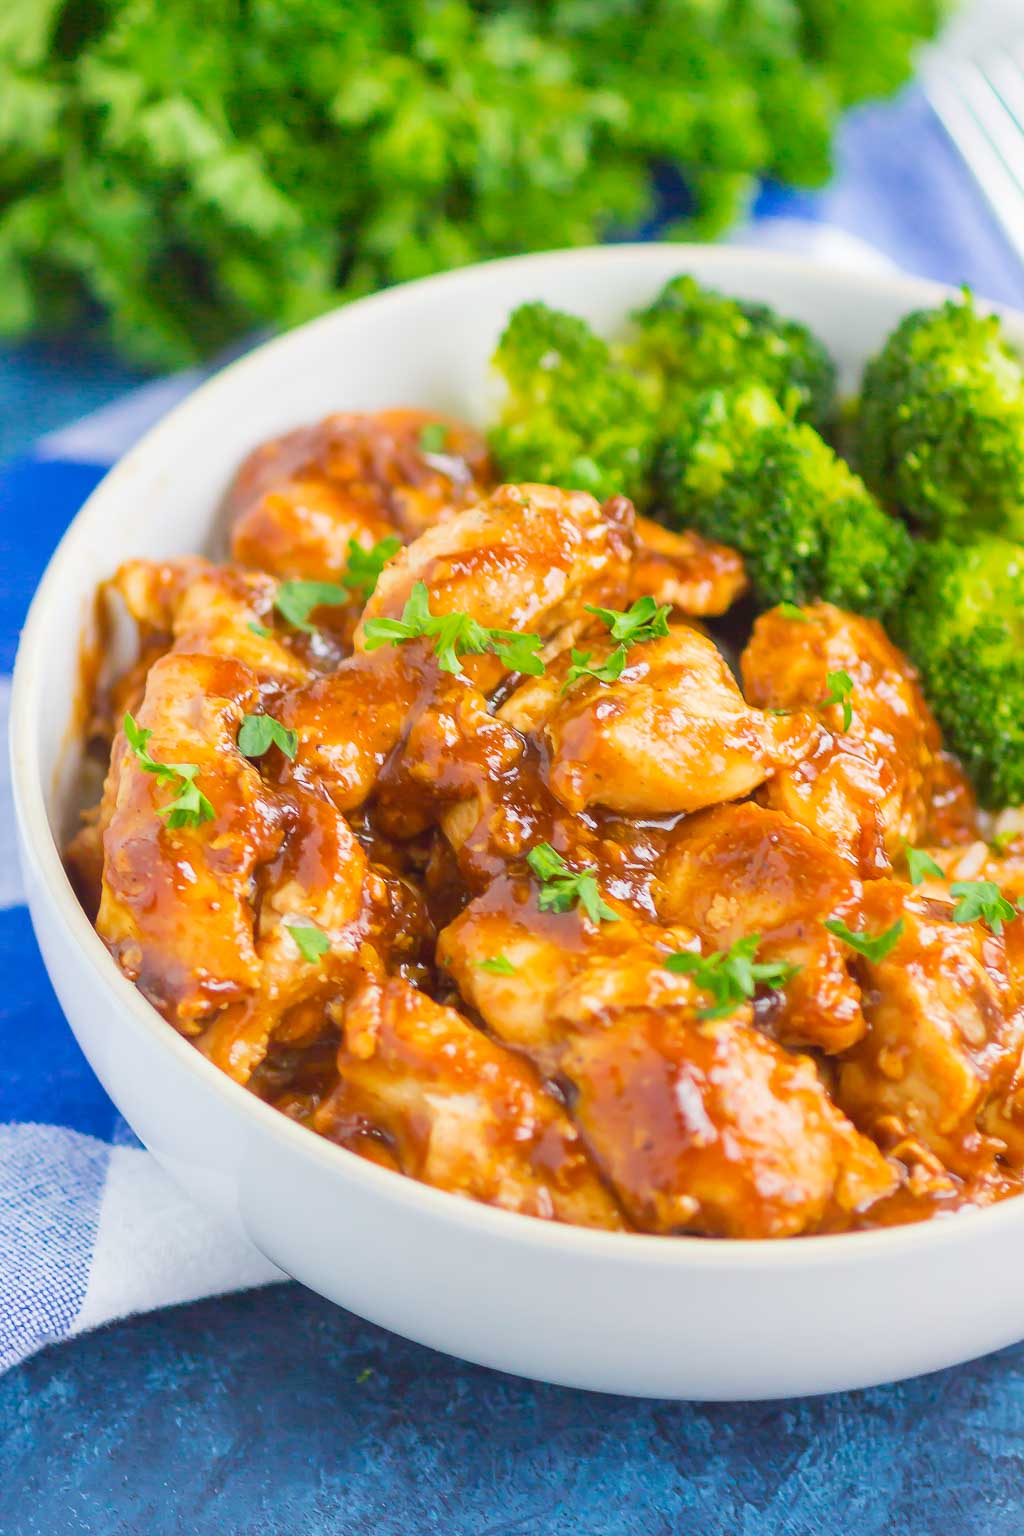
248, 1414
258, 1417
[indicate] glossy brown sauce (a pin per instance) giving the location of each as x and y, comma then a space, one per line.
587, 1083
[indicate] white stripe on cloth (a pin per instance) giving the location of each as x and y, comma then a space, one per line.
154, 1248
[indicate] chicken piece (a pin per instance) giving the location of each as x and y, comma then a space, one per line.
176, 906
535, 976
453, 748
710, 1127
672, 734
460, 1112
740, 870
691, 573
944, 1030
350, 721
212, 609
515, 561
866, 788
952, 816
194, 608
697, 1125
1003, 1116
298, 500
151, 590
525, 560
316, 883
185, 606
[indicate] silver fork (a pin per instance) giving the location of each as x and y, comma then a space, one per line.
980, 103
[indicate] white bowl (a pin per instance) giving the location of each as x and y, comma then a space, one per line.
666, 1317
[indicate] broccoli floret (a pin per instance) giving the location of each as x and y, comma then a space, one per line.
739, 470
692, 338
962, 624
572, 417
941, 430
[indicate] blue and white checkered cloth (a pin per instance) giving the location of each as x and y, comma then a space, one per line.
90, 1228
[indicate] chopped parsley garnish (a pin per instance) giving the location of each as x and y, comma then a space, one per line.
454, 635
981, 899
1004, 841
609, 671
497, 965
261, 630
873, 949
562, 888
840, 686
433, 437
296, 600
365, 565
190, 806
791, 611
258, 733
732, 976
312, 942
645, 620
921, 866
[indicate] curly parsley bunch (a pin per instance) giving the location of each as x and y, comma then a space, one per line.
189, 169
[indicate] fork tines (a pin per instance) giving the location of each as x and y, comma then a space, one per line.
980, 103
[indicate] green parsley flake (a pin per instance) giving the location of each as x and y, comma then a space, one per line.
312, 942
921, 866
433, 437
609, 671
454, 635
258, 733
645, 620
497, 965
981, 899
873, 949
791, 611
261, 630
296, 600
365, 565
732, 976
840, 686
562, 888
190, 806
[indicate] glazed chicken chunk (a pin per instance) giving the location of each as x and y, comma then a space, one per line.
944, 1029
690, 574
710, 1127
296, 502
526, 558
671, 733
865, 788
175, 907
456, 1110
696, 1123
743, 871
